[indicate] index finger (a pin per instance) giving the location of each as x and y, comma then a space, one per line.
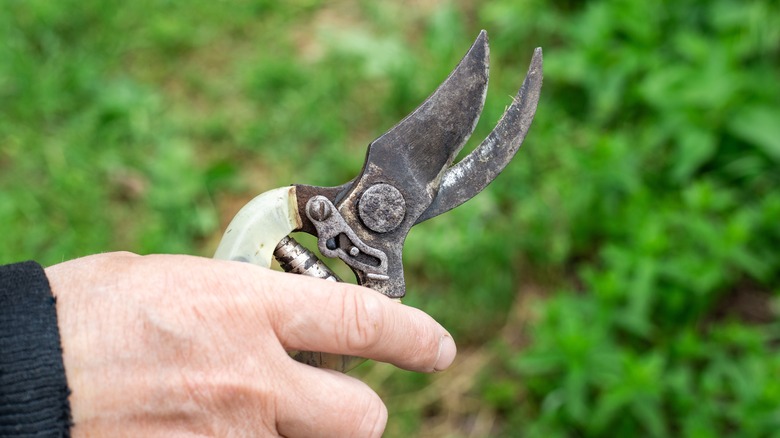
341, 318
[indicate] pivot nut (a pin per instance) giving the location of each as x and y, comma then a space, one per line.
382, 208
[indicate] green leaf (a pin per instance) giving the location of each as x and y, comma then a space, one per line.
696, 146
759, 125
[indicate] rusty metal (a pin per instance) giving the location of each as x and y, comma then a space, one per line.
404, 167
337, 239
296, 258
408, 177
382, 208
479, 168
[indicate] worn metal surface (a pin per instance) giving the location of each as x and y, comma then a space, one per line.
479, 168
337, 239
407, 178
410, 158
294, 257
382, 208
408, 175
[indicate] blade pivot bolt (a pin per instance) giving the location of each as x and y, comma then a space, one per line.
382, 208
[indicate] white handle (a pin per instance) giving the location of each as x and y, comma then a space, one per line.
259, 226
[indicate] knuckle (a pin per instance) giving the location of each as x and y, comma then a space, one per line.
363, 319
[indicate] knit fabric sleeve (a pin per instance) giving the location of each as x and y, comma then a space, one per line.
33, 386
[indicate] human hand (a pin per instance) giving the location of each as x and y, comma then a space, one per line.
178, 346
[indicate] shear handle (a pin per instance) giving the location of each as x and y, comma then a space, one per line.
259, 226
254, 235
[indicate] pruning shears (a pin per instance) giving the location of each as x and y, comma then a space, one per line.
408, 177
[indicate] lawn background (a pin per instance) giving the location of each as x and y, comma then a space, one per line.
620, 278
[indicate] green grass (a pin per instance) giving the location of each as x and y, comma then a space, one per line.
620, 278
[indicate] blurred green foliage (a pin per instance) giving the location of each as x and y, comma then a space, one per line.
640, 219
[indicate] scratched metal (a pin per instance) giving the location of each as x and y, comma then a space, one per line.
479, 168
408, 176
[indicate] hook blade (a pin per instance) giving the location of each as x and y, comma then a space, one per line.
472, 174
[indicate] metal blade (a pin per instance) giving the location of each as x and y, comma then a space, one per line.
479, 168
404, 167
422, 146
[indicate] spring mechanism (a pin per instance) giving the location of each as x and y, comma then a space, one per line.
294, 257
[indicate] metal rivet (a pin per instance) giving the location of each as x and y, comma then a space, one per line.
318, 210
382, 208
354, 251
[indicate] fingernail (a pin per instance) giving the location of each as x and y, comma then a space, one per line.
447, 352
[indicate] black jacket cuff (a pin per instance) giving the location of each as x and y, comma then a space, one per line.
33, 386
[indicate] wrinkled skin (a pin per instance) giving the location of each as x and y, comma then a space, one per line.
168, 346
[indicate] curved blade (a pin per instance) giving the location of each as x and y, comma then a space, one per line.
479, 168
418, 149
412, 157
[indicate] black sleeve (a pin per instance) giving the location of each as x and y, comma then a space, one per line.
33, 386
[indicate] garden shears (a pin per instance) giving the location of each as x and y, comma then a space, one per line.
408, 177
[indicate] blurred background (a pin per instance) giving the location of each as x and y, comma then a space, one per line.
621, 277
